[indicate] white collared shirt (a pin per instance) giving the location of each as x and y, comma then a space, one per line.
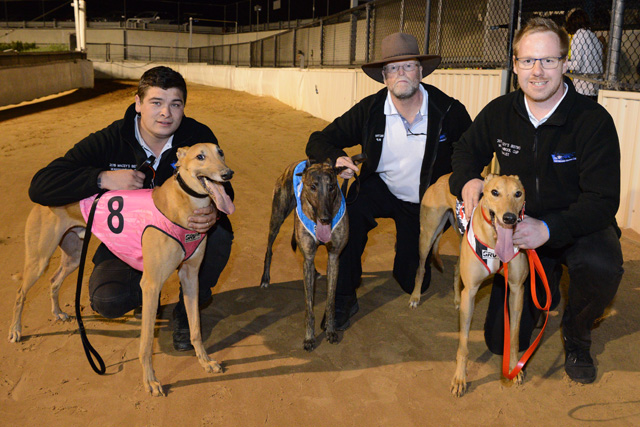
535, 122
402, 153
146, 148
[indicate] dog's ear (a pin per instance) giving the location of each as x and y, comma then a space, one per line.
489, 177
180, 154
338, 170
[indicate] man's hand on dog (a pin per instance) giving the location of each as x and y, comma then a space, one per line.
471, 195
125, 179
203, 219
351, 170
530, 233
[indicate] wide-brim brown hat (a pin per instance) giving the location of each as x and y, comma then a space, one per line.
400, 47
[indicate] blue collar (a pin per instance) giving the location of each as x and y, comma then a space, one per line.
297, 190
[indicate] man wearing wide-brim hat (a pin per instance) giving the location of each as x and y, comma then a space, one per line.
406, 130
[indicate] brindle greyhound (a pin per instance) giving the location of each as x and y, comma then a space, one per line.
201, 169
321, 219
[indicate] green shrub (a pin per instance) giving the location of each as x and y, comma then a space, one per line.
50, 48
17, 45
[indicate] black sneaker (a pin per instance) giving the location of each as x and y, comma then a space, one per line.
578, 363
343, 317
181, 334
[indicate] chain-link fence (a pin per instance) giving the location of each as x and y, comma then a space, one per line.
605, 46
605, 40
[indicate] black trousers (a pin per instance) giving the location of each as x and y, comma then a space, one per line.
114, 286
594, 263
374, 200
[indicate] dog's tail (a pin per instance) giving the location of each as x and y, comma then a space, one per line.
294, 245
436, 261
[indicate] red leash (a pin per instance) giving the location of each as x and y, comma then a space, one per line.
534, 266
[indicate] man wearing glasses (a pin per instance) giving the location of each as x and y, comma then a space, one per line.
406, 130
564, 147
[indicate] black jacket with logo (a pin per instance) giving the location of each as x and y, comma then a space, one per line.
364, 125
74, 176
569, 165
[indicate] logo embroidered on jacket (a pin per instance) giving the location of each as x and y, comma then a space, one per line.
508, 149
443, 137
563, 157
119, 166
379, 136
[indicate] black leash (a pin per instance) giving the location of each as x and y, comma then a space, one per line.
358, 158
88, 348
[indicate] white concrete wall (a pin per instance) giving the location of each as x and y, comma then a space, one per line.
21, 84
624, 107
324, 93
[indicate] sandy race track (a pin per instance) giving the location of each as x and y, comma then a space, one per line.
393, 366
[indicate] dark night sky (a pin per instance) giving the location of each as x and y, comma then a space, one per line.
179, 10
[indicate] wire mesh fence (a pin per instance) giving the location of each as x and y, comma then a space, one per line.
605, 38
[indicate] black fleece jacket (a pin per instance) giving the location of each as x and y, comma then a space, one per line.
74, 177
364, 125
569, 165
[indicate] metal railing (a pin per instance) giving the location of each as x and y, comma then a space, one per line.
466, 33
134, 52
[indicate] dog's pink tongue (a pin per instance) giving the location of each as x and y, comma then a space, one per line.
504, 245
323, 232
222, 200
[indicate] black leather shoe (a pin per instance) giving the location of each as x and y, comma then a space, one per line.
343, 317
181, 334
578, 363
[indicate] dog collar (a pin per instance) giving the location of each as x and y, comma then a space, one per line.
188, 189
297, 189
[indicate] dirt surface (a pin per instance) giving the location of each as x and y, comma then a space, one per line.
393, 366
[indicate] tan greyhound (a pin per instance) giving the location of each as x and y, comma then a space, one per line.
492, 224
202, 169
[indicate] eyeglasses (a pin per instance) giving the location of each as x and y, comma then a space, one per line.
393, 68
547, 63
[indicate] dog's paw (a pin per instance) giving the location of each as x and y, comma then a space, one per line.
62, 316
414, 301
14, 335
309, 345
213, 367
264, 285
332, 337
154, 388
519, 379
458, 387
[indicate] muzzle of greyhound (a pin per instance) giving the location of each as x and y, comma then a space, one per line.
321, 194
502, 207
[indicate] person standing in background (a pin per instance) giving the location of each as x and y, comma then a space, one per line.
586, 52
